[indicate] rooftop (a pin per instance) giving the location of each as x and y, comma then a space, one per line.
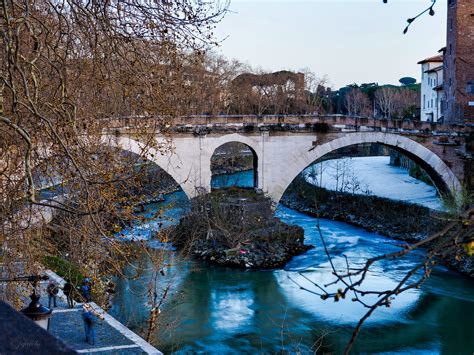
434, 59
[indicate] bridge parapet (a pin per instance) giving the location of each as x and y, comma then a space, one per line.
188, 124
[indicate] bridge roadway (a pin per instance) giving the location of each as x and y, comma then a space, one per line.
283, 146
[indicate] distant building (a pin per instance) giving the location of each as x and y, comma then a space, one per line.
432, 96
447, 80
459, 62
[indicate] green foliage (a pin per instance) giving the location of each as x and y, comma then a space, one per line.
64, 268
459, 202
420, 174
407, 80
414, 87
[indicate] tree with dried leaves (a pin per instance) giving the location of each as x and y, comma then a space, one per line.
66, 66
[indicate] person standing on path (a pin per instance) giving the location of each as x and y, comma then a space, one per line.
52, 291
86, 290
68, 289
90, 320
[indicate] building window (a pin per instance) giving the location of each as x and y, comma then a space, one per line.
450, 24
431, 103
424, 102
470, 87
450, 49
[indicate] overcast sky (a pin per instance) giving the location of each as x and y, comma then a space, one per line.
347, 40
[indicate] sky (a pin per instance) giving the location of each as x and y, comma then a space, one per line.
349, 41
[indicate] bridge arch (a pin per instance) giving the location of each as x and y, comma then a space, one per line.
442, 176
167, 161
229, 150
251, 142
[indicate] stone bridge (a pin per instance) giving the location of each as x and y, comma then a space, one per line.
283, 146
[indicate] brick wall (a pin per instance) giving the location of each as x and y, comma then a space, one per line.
459, 60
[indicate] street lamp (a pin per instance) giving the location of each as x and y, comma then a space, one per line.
35, 311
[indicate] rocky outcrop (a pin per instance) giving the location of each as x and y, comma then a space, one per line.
236, 228
268, 248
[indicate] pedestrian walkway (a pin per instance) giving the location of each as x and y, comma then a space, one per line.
112, 337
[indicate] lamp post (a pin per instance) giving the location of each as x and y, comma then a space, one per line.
35, 311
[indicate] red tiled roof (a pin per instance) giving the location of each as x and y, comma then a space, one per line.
434, 59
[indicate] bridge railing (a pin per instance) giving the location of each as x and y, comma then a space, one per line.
338, 121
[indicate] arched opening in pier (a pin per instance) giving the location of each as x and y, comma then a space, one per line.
234, 164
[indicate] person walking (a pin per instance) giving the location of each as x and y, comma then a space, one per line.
52, 291
68, 289
89, 316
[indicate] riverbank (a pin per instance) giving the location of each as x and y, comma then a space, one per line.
390, 218
236, 228
394, 219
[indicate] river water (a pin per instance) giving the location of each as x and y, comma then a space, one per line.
219, 310
374, 176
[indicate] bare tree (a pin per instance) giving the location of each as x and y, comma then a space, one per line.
314, 86
386, 99
408, 101
357, 103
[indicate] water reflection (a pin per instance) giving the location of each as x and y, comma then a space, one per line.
231, 308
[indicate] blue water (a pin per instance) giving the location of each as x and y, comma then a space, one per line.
223, 311
242, 179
